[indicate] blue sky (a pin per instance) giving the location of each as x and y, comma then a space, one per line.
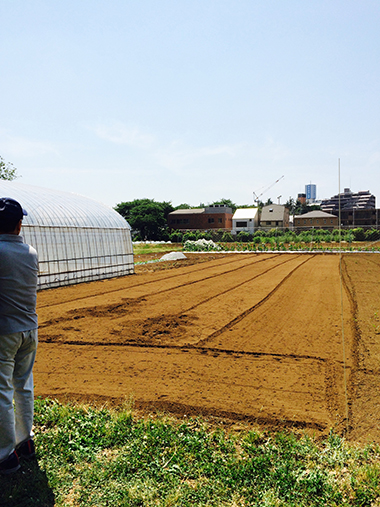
191, 100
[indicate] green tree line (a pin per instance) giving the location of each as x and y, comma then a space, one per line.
148, 218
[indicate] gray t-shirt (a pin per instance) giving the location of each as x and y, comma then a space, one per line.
18, 285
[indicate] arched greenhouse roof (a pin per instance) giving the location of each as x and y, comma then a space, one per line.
48, 207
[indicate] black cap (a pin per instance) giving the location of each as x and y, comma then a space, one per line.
9, 208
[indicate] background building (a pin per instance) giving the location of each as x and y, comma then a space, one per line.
301, 198
274, 215
216, 216
245, 219
356, 217
311, 192
349, 200
316, 220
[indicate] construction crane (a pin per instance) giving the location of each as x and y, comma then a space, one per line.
256, 198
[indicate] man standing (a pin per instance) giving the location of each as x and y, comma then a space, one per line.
18, 337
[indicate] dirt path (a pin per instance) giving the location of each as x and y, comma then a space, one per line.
362, 275
256, 337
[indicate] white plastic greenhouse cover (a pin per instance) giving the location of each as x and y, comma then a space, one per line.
77, 239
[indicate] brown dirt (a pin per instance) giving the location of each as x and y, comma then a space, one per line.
254, 337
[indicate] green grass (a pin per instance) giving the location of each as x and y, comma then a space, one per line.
149, 248
102, 457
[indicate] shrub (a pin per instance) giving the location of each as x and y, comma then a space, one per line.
204, 235
227, 238
192, 236
163, 235
289, 236
244, 237
305, 237
320, 233
336, 235
176, 237
359, 234
216, 235
372, 235
348, 236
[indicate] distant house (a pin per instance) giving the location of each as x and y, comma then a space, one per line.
274, 215
316, 219
201, 219
245, 219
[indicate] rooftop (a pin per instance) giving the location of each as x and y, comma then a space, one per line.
243, 213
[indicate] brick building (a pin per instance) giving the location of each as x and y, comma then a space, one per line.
201, 219
316, 220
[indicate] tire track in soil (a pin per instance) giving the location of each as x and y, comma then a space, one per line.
239, 387
223, 355
273, 387
364, 397
128, 303
165, 277
243, 315
159, 324
236, 334
374, 259
351, 389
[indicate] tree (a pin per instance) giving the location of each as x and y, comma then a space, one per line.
226, 202
298, 208
7, 170
147, 217
291, 205
183, 206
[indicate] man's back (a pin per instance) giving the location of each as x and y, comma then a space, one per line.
18, 282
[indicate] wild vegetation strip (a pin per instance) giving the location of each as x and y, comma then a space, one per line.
89, 456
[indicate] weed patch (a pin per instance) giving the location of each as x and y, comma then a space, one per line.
101, 457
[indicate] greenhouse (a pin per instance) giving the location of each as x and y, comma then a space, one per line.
77, 239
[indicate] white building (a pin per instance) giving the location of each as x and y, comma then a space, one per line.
245, 219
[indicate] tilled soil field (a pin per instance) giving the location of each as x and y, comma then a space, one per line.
277, 339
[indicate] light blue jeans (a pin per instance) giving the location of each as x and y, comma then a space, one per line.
17, 355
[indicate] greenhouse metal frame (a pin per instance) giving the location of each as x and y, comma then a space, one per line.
77, 239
